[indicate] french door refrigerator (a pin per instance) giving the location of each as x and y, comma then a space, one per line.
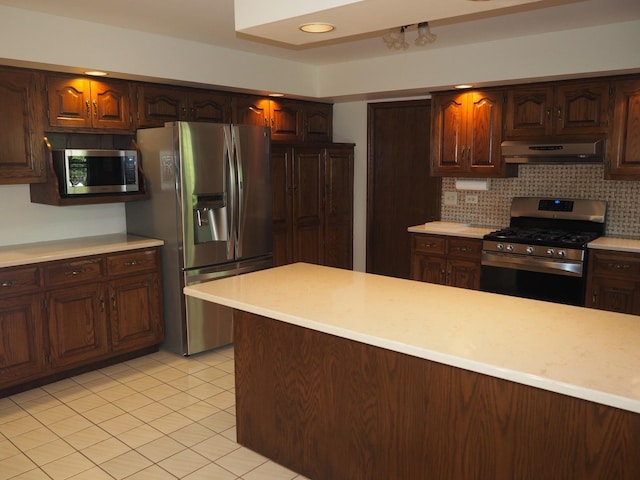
210, 201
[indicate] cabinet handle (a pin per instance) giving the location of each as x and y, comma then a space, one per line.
463, 249
548, 114
273, 121
559, 113
9, 283
133, 263
74, 272
95, 109
619, 266
113, 302
102, 304
594, 298
88, 108
462, 150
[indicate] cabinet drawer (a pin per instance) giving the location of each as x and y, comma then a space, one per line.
616, 264
74, 271
19, 280
429, 244
464, 248
132, 262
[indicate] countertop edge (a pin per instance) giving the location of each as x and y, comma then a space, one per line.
38, 252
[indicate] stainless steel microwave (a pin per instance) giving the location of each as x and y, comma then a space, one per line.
88, 172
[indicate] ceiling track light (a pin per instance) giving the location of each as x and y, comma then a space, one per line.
395, 37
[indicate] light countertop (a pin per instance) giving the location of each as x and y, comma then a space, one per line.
28, 253
451, 229
619, 244
584, 353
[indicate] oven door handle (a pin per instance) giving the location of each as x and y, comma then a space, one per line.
558, 267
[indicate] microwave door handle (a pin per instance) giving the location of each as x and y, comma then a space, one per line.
232, 195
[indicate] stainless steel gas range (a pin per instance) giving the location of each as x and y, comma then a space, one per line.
543, 253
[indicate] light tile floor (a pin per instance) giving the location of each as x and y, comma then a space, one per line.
157, 417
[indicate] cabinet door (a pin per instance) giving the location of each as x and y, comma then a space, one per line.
110, 102
135, 312
251, 110
529, 112
285, 121
307, 206
281, 165
426, 268
484, 134
582, 109
463, 273
623, 149
21, 335
614, 294
69, 102
21, 141
448, 134
318, 123
157, 105
77, 324
338, 205
209, 107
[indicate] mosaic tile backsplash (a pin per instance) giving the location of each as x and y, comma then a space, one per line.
561, 181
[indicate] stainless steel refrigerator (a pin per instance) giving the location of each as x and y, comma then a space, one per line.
210, 201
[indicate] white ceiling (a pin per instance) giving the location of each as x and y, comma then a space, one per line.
212, 22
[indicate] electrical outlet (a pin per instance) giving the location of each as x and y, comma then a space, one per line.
471, 199
450, 198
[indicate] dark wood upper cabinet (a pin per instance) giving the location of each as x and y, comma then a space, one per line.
158, 104
21, 123
567, 109
466, 134
289, 120
79, 103
623, 149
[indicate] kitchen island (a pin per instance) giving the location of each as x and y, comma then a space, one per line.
342, 374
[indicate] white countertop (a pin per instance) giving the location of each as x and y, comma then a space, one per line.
580, 352
619, 244
451, 229
28, 253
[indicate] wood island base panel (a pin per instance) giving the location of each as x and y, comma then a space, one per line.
331, 408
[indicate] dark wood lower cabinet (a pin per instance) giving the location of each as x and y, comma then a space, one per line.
613, 281
331, 409
60, 317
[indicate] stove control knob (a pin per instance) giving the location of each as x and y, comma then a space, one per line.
500, 246
530, 250
562, 253
551, 252
510, 248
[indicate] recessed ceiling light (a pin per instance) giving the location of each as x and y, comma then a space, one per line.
463, 86
317, 27
276, 94
96, 73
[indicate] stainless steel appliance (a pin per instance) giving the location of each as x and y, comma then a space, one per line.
210, 201
523, 151
543, 253
90, 172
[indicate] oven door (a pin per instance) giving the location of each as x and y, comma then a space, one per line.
550, 287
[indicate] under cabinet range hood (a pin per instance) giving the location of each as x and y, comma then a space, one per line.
523, 151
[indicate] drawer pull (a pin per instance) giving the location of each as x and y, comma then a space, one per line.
74, 272
9, 283
463, 249
428, 245
133, 263
619, 266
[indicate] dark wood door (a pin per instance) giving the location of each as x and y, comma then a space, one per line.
251, 110
281, 164
285, 121
449, 134
77, 324
21, 124
157, 105
529, 112
484, 133
400, 191
69, 102
135, 317
318, 122
209, 107
338, 207
582, 108
623, 149
308, 205
110, 102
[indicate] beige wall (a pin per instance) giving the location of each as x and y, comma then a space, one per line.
48, 42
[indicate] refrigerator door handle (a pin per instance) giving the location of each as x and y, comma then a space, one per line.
240, 195
233, 194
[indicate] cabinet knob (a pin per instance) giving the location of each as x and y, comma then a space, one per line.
88, 108
9, 283
73, 273
95, 109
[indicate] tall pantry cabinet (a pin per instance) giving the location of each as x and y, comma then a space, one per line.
313, 204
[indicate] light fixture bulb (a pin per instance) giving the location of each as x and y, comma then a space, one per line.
424, 35
317, 27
